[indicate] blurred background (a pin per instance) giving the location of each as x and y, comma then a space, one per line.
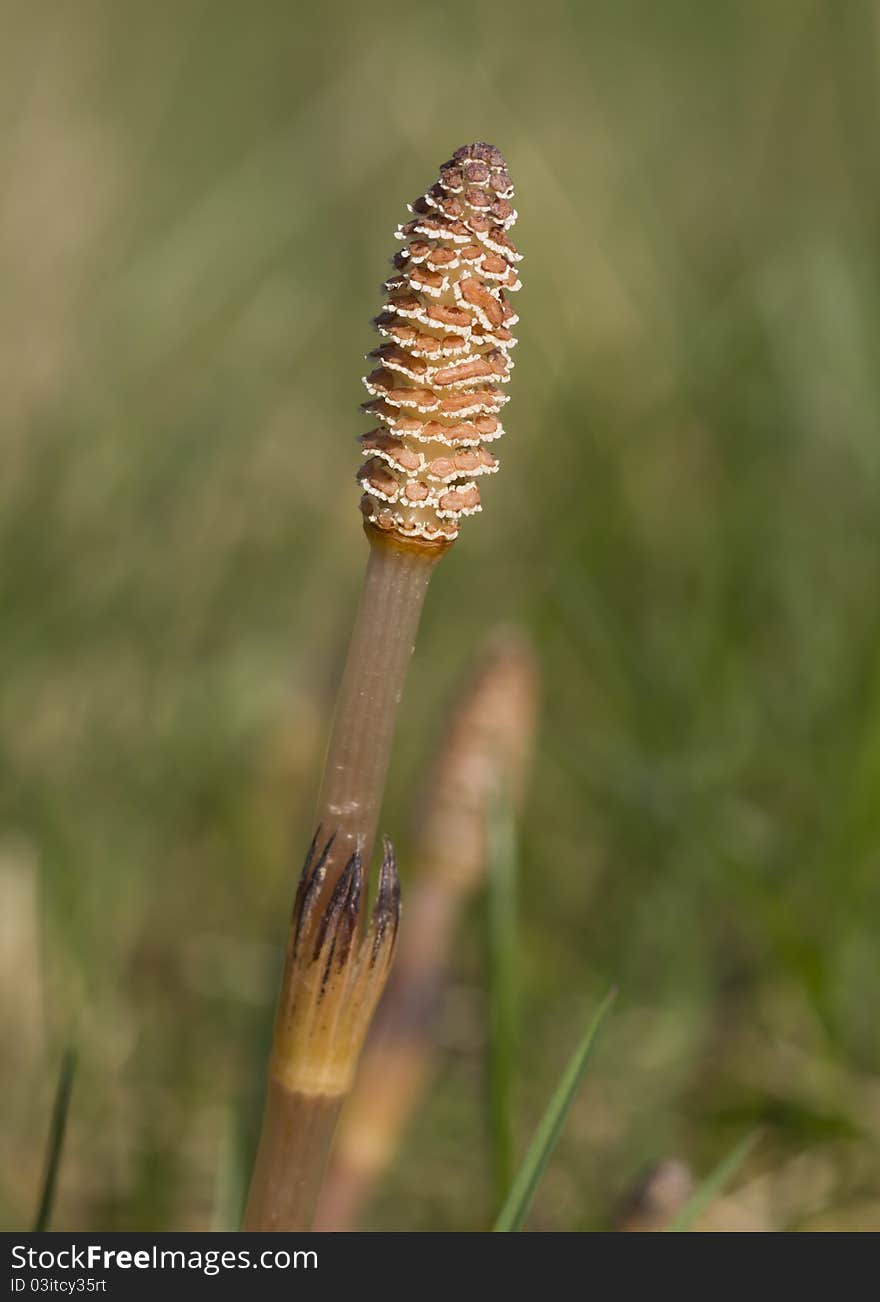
197, 205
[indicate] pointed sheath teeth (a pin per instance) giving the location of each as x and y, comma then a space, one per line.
334, 971
339, 919
386, 911
447, 327
310, 882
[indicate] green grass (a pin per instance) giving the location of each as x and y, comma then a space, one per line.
55, 1145
197, 209
713, 1185
518, 1203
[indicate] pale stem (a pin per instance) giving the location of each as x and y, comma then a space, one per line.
294, 1143
369, 696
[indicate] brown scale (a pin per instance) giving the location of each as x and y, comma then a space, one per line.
446, 327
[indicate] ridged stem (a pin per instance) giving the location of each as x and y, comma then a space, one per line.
298, 1125
292, 1154
372, 684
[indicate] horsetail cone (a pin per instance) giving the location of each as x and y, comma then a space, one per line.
436, 389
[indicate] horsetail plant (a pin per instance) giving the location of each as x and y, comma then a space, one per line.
435, 392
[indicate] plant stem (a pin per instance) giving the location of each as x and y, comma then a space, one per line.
381, 645
294, 1143
329, 991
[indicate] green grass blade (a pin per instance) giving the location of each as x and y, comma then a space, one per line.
57, 1130
502, 931
516, 1208
712, 1186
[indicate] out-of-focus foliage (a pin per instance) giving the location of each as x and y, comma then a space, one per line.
196, 208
